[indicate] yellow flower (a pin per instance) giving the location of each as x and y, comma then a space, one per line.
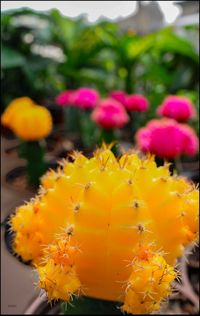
28, 120
29, 227
16, 106
57, 274
148, 284
127, 219
33, 123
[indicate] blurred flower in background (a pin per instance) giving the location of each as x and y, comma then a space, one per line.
85, 98
167, 138
33, 123
30, 123
110, 114
119, 95
16, 106
137, 103
28, 120
177, 107
64, 98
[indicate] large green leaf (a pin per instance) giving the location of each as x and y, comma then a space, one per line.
140, 45
168, 41
65, 30
11, 58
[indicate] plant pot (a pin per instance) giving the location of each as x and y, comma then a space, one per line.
191, 175
191, 170
80, 306
41, 307
16, 179
7, 133
8, 237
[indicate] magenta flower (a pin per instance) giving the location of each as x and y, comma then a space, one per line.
64, 98
110, 114
191, 141
167, 138
137, 103
85, 98
119, 95
177, 107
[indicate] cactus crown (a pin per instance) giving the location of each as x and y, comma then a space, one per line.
100, 226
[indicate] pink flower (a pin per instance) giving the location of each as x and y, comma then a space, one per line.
85, 98
136, 102
119, 95
178, 108
64, 98
191, 141
110, 114
167, 138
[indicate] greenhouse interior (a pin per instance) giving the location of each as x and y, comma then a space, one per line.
100, 157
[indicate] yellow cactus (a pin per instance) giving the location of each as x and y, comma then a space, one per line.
28, 120
57, 274
29, 226
38, 122
117, 215
148, 284
17, 105
49, 178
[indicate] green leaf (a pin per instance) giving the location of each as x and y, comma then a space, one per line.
139, 46
65, 30
168, 41
10, 58
157, 73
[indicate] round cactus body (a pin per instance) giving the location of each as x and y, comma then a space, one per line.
108, 228
38, 122
16, 106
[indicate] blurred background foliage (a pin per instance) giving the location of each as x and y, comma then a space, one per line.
45, 53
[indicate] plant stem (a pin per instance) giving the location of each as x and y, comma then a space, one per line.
33, 153
90, 306
71, 119
87, 128
108, 136
128, 80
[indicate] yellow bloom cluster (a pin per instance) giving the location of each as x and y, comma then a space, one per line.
28, 120
148, 284
59, 262
113, 227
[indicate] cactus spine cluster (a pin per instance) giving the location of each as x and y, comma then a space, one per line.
110, 228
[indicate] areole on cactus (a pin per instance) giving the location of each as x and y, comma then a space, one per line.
109, 228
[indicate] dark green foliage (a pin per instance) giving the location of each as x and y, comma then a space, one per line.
95, 55
33, 153
108, 136
90, 306
88, 129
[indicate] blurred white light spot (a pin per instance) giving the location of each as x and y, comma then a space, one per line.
29, 21
28, 38
170, 11
49, 51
